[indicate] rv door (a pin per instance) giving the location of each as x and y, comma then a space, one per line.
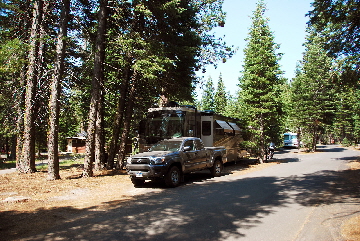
207, 135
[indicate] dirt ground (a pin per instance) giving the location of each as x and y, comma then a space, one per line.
30, 204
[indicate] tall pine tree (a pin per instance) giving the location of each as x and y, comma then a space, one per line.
220, 98
207, 100
313, 103
260, 85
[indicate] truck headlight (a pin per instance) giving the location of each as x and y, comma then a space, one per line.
128, 160
157, 160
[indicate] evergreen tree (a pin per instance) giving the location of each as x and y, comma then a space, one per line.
346, 126
208, 96
220, 98
152, 48
54, 105
313, 102
27, 162
260, 85
94, 131
339, 23
232, 106
339, 20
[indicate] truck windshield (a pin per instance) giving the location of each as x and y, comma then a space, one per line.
166, 146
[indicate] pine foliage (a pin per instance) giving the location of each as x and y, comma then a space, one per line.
260, 84
208, 96
313, 100
220, 98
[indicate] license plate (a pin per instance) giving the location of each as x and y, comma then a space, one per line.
139, 174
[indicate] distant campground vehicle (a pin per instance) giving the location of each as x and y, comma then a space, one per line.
291, 140
170, 159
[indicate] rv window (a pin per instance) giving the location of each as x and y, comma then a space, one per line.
206, 128
290, 137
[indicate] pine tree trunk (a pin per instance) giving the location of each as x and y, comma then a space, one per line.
315, 137
99, 137
41, 82
95, 93
28, 148
54, 105
20, 122
127, 122
114, 143
13, 148
261, 142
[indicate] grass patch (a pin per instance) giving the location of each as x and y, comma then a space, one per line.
4, 164
63, 165
66, 162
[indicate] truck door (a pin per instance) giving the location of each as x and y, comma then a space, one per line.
202, 155
196, 156
191, 155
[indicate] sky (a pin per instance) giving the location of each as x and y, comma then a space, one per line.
287, 21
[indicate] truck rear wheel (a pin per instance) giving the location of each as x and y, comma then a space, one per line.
173, 177
137, 182
216, 169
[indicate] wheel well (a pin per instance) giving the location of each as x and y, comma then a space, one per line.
178, 165
219, 158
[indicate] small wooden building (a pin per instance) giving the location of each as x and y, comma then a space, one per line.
76, 144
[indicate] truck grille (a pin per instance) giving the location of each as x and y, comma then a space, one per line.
142, 160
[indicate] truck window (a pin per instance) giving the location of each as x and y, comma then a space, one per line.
206, 128
199, 145
189, 143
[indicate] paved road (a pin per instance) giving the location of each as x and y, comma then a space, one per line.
300, 199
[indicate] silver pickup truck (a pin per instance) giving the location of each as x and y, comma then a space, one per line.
170, 159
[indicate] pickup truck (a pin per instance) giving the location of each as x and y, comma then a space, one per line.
170, 159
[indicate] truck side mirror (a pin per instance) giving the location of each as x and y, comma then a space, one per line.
187, 148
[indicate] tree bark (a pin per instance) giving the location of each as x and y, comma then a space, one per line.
20, 121
28, 149
41, 82
95, 93
127, 122
54, 105
99, 137
315, 136
114, 143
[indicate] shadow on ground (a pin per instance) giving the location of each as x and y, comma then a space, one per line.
211, 210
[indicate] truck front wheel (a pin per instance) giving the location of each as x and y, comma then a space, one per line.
172, 178
216, 169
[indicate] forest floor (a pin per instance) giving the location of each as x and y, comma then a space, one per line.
29, 204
